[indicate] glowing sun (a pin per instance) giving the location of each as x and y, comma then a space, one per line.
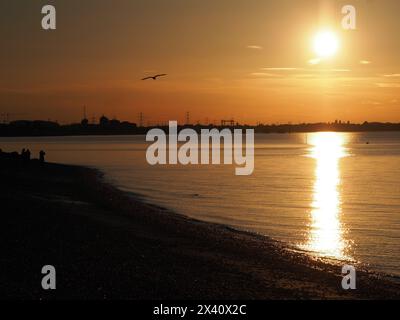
326, 44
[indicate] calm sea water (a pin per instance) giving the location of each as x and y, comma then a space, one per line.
335, 195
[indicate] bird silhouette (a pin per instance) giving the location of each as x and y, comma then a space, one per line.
155, 77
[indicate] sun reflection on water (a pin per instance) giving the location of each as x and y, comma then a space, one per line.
326, 233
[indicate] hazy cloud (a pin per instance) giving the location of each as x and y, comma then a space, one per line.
314, 61
254, 47
388, 85
371, 102
282, 69
264, 74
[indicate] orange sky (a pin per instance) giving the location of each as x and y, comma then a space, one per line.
246, 59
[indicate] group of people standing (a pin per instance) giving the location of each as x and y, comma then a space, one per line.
26, 155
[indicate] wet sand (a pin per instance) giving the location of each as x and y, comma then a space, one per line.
106, 244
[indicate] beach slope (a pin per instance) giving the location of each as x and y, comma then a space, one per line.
105, 244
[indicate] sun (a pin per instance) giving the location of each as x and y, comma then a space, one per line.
326, 44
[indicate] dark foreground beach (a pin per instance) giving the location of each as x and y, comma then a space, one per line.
107, 245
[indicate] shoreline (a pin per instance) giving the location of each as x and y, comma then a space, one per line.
107, 244
281, 245
284, 245
334, 262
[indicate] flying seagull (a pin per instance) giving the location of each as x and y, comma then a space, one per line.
155, 77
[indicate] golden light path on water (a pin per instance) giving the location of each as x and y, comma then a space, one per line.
326, 233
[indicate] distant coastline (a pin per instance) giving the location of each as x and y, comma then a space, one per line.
37, 128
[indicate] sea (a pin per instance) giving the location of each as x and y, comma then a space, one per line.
331, 195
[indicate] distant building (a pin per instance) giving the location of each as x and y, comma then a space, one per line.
128, 124
115, 122
104, 121
85, 122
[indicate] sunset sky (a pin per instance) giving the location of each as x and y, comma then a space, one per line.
246, 59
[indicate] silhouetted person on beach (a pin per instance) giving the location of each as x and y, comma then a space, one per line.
41, 156
23, 155
26, 155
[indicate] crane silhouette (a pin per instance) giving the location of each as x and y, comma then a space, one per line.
155, 77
